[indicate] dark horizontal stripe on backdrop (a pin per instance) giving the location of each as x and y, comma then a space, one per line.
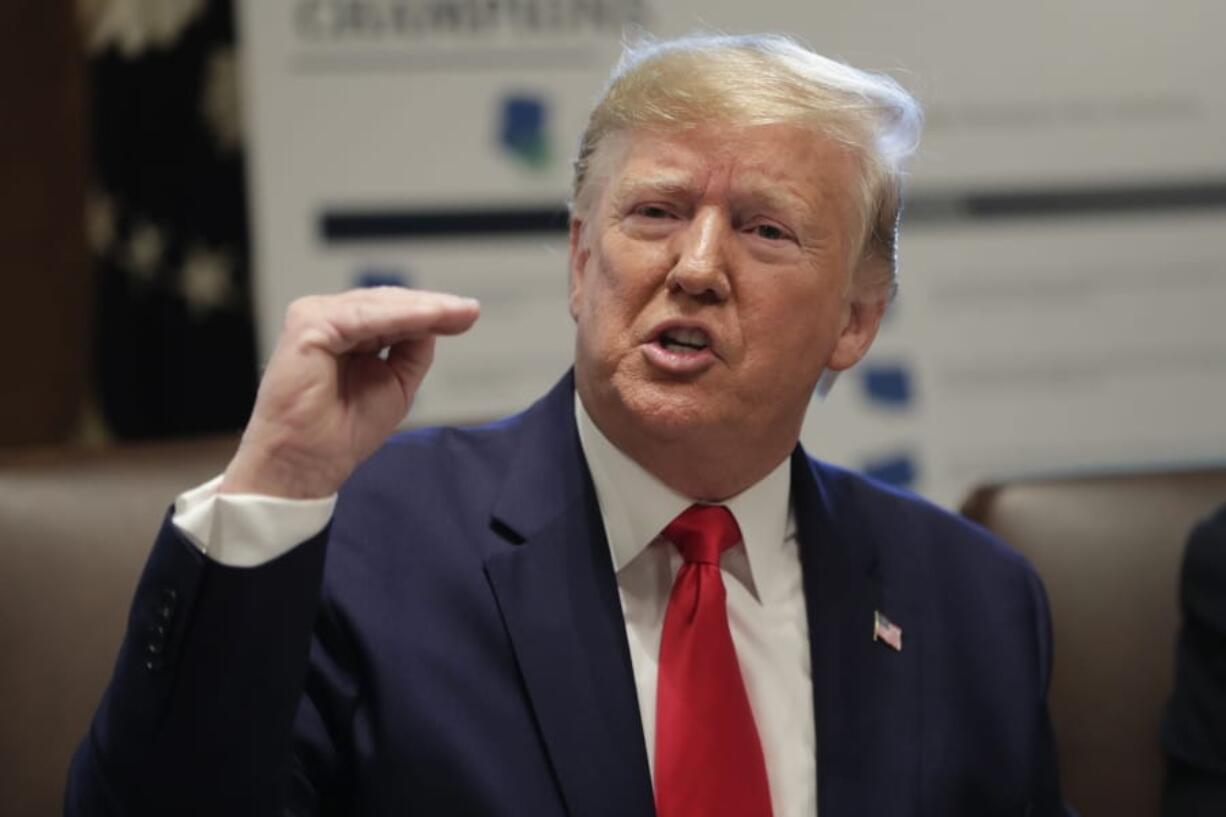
344, 224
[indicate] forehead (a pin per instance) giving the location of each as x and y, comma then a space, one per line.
777, 161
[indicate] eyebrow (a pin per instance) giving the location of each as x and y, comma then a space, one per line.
663, 184
776, 199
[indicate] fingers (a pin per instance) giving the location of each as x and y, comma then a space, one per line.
410, 360
368, 319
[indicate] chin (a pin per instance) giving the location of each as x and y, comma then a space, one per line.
671, 411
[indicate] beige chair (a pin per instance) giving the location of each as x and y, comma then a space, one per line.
1109, 550
75, 528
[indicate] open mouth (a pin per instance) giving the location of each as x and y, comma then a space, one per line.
684, 340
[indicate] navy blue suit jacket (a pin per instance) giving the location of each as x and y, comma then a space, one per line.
1194, 728
466, 654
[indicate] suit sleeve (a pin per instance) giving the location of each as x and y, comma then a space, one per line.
1194, 727
198, 715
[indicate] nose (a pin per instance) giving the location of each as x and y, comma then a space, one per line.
700, 263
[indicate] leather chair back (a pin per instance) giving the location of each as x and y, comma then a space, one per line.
75, 530
1109, 551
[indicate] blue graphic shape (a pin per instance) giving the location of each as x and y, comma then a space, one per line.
888, 384
899, 469
523, 129
382, 277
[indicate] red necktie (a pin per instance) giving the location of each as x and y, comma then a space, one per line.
708, 757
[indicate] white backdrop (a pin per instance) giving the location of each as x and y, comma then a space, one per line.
1063, 296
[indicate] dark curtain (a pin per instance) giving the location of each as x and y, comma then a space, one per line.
173, 332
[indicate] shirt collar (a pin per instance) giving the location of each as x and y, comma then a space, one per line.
635, 507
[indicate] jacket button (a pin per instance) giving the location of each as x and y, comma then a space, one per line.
154, 664
166, 609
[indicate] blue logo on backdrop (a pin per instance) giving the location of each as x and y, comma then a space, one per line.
887, 384
382, 277
898, 469
523, 130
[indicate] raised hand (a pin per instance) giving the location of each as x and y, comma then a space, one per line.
327, 399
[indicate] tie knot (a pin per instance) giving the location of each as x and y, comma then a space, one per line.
703, 532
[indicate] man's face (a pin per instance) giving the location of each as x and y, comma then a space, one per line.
711, 282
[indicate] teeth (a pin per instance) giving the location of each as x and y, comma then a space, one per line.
689, 338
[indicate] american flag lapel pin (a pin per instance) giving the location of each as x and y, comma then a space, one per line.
887, 631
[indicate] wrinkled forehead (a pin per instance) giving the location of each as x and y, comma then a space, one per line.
777, 162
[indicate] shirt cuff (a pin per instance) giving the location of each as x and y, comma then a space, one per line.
247, 530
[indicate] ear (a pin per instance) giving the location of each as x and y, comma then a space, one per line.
860, 326
579, 253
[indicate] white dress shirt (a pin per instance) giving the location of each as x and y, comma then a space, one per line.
762, 577
245, 530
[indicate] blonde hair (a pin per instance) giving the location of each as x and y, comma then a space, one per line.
766, 79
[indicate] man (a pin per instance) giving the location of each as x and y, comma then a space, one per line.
644, 600
1194, 729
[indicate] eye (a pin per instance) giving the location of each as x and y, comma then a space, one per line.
652, 211
770, 232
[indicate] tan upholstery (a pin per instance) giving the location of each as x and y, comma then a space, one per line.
1109, 551
75, 528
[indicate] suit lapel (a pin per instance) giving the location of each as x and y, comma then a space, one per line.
866, 697
557, 593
